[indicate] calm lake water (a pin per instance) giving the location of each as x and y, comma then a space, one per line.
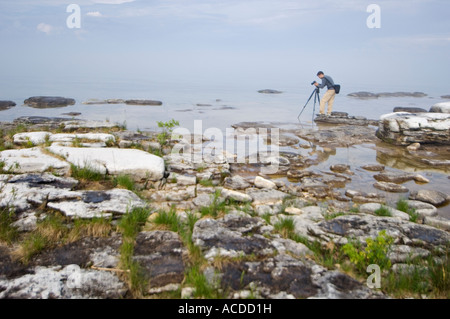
220, 106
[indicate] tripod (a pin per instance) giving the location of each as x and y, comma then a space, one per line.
316, 98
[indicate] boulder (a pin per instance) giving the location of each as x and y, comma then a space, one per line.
371, 208
143, 102
236, 182
143, 166
363, 226
422, 208
390, 187
264, 183
269, 91
5, 105
48, 101
95, 102
373, 167
266, 196
363, 95
443, 107
237, 196
339, 136
433, 197
401, 109
344, 118
406, 128
398, 178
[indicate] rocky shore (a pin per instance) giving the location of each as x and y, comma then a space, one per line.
91, 210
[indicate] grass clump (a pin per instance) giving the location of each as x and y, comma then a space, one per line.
125, 181
286, 227
49, 233
8, 233
383, 211
402, 205
86, 173
129, 226
217, 206
168, 219
131, 223
428, 277
95, 227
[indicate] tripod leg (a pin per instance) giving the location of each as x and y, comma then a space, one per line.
315, 91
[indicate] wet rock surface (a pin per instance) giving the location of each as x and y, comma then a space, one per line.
5, 105
344, 118
48, 101
161, 254
269, 91
369, 95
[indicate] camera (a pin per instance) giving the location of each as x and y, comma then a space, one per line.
313, 83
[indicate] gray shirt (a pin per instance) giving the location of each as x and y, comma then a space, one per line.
328, 82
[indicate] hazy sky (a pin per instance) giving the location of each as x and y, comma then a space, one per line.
232, 41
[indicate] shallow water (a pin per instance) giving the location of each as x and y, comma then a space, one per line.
222, 106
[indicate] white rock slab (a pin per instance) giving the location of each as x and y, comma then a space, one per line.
138, 164
32, 160
99, 204
36, 138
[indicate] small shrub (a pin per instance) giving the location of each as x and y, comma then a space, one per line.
375, 252
167, 129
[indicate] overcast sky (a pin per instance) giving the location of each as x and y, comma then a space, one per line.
232, 41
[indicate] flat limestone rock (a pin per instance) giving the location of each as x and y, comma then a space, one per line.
266, 196
69, 282
32, 160
391, 187
161, 254
138, 164
90, 204
143, 102
407, 128
38, 138
433, 197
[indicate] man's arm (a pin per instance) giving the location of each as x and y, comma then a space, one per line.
321, 86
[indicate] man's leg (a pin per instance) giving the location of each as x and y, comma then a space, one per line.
325, 99
331, 101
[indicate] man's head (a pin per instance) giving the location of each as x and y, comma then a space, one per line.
320, 74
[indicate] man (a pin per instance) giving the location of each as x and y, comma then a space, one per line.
329, 95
